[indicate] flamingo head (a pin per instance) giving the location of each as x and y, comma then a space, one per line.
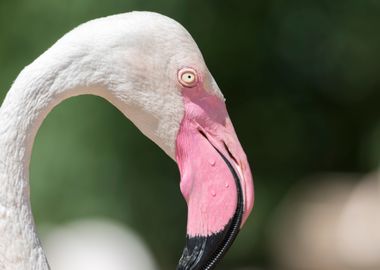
161, 83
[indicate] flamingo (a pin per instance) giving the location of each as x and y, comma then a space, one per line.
149, 67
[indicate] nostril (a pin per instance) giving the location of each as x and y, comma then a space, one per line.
229, 153
224, 145
202, 133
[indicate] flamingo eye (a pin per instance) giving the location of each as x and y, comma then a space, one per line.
187, 77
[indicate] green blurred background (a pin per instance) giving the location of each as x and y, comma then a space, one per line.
302, 86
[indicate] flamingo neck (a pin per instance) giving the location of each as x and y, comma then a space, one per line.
31, 98
41, 86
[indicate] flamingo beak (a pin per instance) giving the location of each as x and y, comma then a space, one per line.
216, 181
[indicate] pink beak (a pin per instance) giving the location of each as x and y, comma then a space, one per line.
215, 179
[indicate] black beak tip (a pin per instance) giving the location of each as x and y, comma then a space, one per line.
199, 252
204, 252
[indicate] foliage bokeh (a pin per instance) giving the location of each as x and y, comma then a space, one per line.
302, 87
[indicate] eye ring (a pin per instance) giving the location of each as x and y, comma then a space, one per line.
187, 77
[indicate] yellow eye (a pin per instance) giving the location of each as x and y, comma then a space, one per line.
187, 77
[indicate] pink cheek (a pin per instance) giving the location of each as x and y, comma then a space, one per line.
205, 107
